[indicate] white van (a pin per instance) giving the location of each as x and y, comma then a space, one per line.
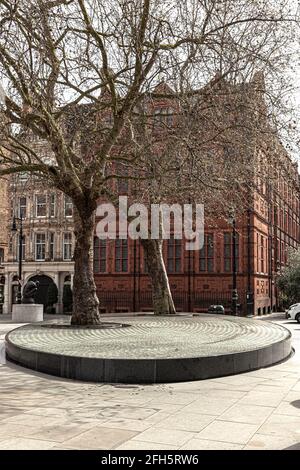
293, 312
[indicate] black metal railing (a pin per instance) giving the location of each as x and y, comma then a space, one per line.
122, 301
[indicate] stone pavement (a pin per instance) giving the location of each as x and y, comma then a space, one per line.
255, 410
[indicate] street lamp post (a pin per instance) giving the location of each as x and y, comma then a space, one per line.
234, 296
134, 275
14, 229
249, 289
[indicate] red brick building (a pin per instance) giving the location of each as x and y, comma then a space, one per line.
198, 279
201, 278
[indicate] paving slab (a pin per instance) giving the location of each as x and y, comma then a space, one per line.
62, 431
129, 424
250, 414
185, 421
140, 445
202, 444
210, 405
267, 442
263, 398
165, 437
19, 443
228, 431
32, 420
289, 408
281, 425
100, 437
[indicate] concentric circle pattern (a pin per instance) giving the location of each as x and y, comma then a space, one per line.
153, 338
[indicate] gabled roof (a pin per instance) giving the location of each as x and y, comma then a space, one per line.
163, 88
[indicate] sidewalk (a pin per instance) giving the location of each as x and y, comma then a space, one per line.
255, 410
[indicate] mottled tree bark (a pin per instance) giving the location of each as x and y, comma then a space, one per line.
161, 293
85, 300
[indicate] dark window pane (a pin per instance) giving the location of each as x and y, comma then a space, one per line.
170, 265
210, 248
227, 238
174, 255
210, 265
22, 207
227, 251
102, 266
227, 265
121, 255
178, 249
202, 264
41, 208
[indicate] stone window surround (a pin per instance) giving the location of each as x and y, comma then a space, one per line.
39, 205
67, 246
42, 244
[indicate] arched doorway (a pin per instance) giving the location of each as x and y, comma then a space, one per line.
41, 296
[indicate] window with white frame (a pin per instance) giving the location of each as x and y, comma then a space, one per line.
67, 248
23, 176
68, 207
163, 117
52, 205
22, 207
41, 205
40, 246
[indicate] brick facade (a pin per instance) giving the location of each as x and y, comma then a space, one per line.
266, 227
201, 278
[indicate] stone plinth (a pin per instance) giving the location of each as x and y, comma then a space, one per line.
150, 350
27, 313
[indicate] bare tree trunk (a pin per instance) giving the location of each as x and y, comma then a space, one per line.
85, 300
161, 293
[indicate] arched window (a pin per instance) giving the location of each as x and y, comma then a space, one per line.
163, 117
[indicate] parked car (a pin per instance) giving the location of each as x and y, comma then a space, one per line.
216, 309
293, 312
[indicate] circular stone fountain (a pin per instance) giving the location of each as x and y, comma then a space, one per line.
151, 349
